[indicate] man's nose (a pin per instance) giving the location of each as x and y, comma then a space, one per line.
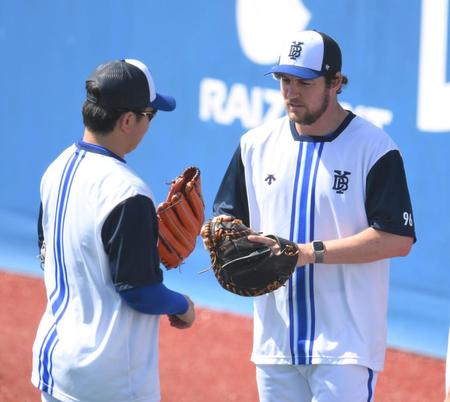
293, 91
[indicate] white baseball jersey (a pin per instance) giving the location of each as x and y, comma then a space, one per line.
90, 344
318, 188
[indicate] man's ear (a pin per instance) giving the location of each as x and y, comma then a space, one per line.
336, 83
125, 121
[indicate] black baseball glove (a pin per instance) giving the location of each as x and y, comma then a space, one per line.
245, 267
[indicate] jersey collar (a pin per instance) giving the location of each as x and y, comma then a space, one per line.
321, 138
97, 149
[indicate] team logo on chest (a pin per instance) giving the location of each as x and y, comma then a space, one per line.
296, 50
340, 181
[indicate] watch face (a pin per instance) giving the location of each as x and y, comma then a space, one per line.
318, 246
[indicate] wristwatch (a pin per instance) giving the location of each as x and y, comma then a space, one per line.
319, 250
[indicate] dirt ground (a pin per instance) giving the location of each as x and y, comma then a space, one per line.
207, 363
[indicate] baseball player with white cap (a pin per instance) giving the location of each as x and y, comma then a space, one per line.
335, 184
98, 231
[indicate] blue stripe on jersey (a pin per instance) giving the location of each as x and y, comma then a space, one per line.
291, 237
291, 320
46, 380
311, 267
370, 386
48, 339
301, 284
60, 295
69, 163
302, 301
58, 239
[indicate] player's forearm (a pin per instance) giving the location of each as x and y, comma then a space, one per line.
367, 246
155, 299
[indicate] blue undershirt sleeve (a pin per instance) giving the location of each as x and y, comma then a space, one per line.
155, 299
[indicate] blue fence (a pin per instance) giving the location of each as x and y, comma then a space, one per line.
212, 56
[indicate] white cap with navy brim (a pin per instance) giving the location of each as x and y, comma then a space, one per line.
308, 55
157, 101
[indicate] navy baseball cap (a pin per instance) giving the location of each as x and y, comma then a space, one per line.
127, 84
308, 55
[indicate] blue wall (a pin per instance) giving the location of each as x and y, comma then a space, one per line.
212, 56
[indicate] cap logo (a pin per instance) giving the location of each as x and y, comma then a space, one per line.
296, 50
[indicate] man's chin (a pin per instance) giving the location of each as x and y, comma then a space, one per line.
299, 119
295, 116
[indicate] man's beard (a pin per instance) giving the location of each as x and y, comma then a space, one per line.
311, 117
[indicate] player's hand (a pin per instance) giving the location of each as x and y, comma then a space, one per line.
183, 321
267, 241
305, 255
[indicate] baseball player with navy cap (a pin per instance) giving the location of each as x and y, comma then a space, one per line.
127, 84
98, 231
335, 184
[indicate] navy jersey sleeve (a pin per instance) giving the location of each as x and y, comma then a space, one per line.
40, 230
130, 235
388, 205
40, 233
231, 198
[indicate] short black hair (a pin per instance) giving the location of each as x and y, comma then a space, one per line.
98, 119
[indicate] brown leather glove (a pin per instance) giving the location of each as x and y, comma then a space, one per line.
180, 218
